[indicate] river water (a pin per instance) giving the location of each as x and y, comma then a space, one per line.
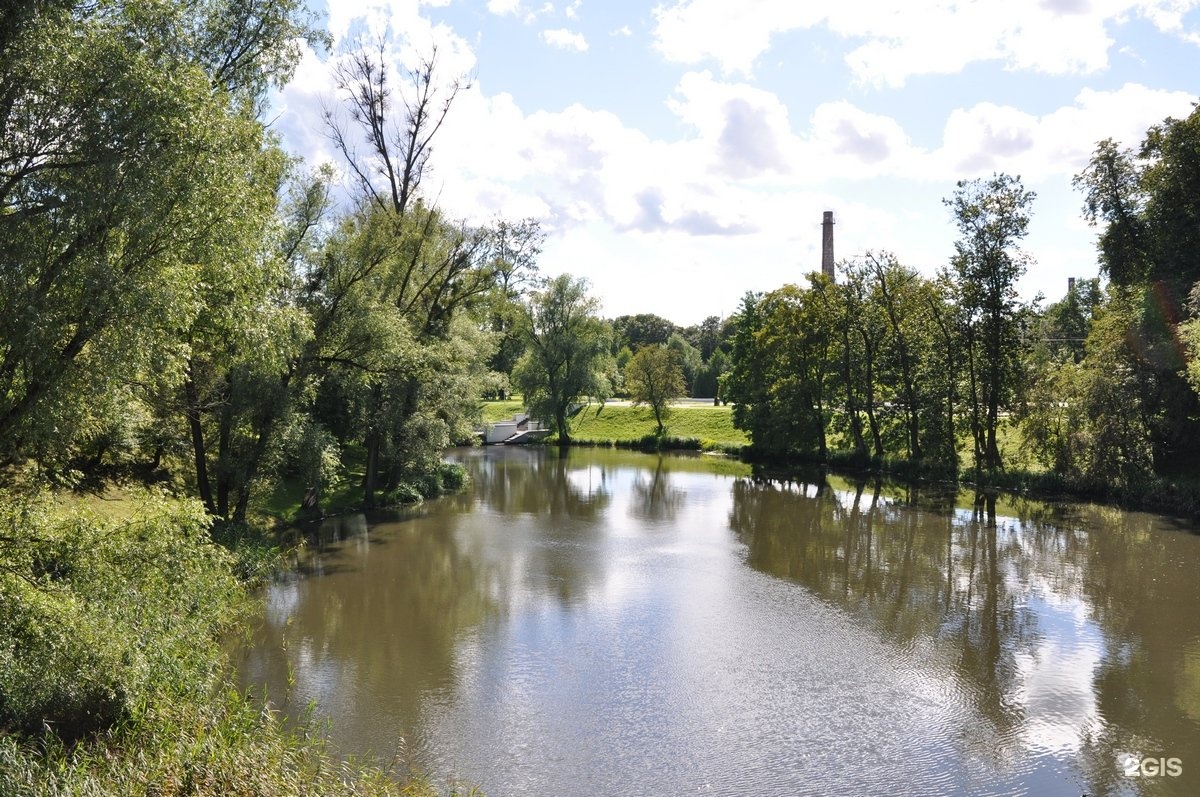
612, 623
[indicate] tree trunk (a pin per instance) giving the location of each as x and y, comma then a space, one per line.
872, 421
224, 466
371, 444
860, 444
199, 453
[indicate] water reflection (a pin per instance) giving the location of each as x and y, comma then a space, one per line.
604, 622
343, 649
1059, 625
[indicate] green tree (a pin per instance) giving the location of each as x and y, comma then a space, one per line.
1148, 208
1090, 419
1114, 197
643, 329
689, 359
992, 216
419, 271
708, 380
131, 166
705, 336
781, 362
567, 351
1171, 185
514, 250
653, 377
898, 293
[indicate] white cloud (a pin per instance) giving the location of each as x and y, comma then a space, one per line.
502, 7
573, 9
856, 142
898, 41
734, 34
624, 30
988, 137
565, 39
742, 180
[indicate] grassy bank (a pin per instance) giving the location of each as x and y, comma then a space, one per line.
704, 427
113, 680
688, 426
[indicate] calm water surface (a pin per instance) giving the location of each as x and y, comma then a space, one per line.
612, 623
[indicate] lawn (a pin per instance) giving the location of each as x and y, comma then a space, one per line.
621, 423
494, 411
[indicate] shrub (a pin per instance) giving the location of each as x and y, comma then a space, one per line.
98, 615
453, 475
405, 493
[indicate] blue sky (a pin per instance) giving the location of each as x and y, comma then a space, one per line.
680, 153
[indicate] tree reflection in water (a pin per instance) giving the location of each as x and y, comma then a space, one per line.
1056, 623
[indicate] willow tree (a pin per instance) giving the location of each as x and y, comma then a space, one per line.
131, 159
566, 351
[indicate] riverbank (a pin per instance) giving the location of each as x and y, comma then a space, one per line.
113, 679
695, 426
690, 426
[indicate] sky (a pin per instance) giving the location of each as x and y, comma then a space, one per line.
679, 154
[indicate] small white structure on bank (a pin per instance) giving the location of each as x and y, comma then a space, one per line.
521, 429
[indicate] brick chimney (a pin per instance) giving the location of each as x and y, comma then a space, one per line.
827, 244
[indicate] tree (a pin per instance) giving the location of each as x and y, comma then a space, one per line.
130, 159
1171, 182
689, 360
781, 361
1113, 196
567, 351
705, 336
900, 299
653, 377
515, 248
1088, 419
1147, 204
992, 216
639, 330
423, 268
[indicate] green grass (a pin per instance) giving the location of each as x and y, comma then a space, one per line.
113, 674
711, 427
494, 411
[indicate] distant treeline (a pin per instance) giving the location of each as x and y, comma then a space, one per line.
1100, 387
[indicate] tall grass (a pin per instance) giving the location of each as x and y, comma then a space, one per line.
112, 677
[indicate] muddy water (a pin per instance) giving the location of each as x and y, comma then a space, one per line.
610, 623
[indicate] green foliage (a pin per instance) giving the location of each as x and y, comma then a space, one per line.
643, 329
225, 745
690, 362
707, 336
618, 425
653, 377
992, 216
99, 616
1147, 206
453, 476
708, 379
781, 356
1113, 197
1171, 185
129, 161
567, 352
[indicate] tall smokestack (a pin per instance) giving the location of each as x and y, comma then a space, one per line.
827, 244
